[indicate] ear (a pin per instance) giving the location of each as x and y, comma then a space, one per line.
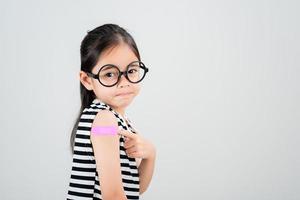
85, 80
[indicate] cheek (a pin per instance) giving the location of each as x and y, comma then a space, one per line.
107, 92
137, 88
102, 91
97, 86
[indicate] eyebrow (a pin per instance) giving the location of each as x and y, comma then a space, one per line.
106, 68
109, 67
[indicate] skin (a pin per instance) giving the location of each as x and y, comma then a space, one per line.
120, 56
136, 146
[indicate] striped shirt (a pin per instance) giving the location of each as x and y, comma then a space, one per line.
84, 180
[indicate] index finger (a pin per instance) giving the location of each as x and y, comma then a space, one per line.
126, 134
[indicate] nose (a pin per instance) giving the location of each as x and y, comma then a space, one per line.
123, 82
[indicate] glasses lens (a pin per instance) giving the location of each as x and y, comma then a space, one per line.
109, 75
135, 72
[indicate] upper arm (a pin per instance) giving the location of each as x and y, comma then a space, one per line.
107, 156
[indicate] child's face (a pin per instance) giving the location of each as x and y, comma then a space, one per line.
120, 56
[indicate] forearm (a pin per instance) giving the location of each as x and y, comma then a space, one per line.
146, 169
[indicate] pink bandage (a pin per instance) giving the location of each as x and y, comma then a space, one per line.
104, 130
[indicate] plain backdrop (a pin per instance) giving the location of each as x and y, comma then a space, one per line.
220, 102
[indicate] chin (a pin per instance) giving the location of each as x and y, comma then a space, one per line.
123, 102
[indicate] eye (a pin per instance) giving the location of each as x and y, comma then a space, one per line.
132, 71
110, 74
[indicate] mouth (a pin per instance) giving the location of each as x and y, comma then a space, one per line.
124, 94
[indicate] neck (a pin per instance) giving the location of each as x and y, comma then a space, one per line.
120, 111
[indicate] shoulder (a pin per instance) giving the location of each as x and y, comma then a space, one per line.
105, 117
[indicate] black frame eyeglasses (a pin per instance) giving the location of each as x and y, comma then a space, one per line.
120, 73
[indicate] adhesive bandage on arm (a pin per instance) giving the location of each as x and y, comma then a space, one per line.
104, 130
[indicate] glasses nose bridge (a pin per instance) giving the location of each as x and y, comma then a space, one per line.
123, 73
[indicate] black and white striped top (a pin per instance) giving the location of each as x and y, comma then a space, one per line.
84, 181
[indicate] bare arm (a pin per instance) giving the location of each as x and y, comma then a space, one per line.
106, 152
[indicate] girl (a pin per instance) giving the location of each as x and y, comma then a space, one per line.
110, 159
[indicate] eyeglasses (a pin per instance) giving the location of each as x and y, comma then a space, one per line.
109, 74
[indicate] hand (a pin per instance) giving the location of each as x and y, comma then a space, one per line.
136, 146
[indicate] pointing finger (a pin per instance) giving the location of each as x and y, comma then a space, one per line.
126, 134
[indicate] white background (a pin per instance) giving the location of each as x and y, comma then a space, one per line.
220, 102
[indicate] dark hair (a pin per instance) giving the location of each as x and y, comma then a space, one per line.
93, 44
